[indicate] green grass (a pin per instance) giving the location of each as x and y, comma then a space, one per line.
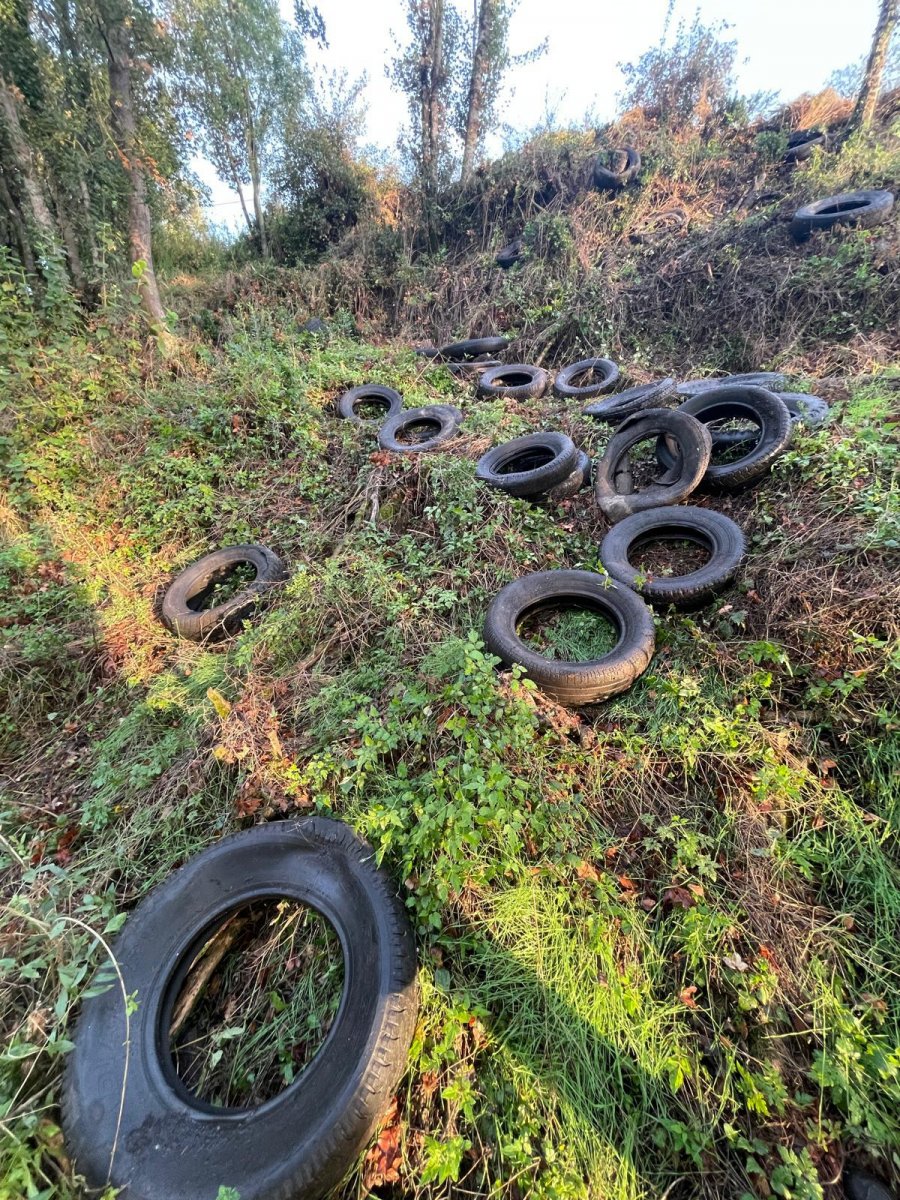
657, 939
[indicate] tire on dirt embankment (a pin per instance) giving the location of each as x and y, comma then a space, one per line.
514, 381
755, 405
439, 422
862, 210
617, 408
616, 168
165, 1144
566, 384
570, 682
529, 465
713, 531
472, 348
182, 611
694, 448
386, 399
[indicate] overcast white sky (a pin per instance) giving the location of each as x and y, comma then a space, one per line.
786, 46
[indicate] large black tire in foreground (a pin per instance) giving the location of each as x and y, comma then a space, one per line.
714, 532
862, 209
514, 381
572, 682
756, 405
181, 611
694, 448
439, 423
567, 383
386, 399
171, 1146
529, 465
859, 1185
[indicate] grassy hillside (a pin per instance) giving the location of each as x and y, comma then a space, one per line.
657, 938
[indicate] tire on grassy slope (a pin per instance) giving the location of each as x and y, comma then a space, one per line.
802, 143
619, 168
859, 1185
762, 408
440, 421
712, 530
168, 1144
566, 383
510, 254
474, 347
514, 381
773, 381
529, 465
387, 399
862, 210
694, 448
181, 611
614, 409
572, 682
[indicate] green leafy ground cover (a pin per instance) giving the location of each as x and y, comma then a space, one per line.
658, 939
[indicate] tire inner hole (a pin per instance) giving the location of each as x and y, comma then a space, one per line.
527, 460
568, 631
256, 1004
513, 379
668, 553
733, 438
222, 586
370, 408
589, 377
842, 207
419, 431
639, 467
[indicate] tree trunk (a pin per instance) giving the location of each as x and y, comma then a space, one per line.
871, 85
255, 175
18, 225
475, 107
24, 172
431, 78
70, 241
116, 36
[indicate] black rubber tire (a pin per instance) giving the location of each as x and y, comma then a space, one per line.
772, 381
172, 1146
659, 226
802, 143
572, 484
532, 387
472, 370
196, 581
711, 530
633, 400
572, 683
510, 254
806, 410
695, 447
444, 417
529, 480
862, 210
564, 387
859, 1185
613, 177
314, 325
367, 394
427, 351
766, 409
474, 347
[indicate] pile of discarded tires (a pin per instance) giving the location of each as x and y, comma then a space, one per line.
688, 440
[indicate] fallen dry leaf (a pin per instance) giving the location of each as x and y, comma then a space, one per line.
384, 1160
686, 996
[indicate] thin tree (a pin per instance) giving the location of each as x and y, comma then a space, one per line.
867, 99
489, 63
115, 22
